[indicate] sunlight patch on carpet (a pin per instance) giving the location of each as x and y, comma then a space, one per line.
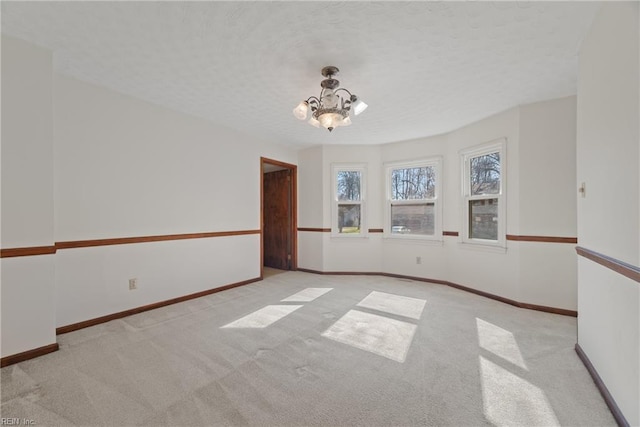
509, 400
394, 304
306, 295
380, 335
499, 342
263, 317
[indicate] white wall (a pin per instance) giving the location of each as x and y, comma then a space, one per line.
147, 170
530, 272
82, 162
547, 185
93, 282
608, 332
609, 216
321, 251
399, 256
27, 146
608, 134
493, 271
547, 202
28, 310
124, 167
311, 187
357, 253
27, 196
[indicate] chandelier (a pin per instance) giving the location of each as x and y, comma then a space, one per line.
331, 109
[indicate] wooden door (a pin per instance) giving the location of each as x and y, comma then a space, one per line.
277, 219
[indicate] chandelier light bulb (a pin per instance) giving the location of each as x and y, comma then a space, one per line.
330, 120
358, 106
313, 122
300, 112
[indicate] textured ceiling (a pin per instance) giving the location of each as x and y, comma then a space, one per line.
424, 68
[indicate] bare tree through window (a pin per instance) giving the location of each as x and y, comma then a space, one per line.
485, 174
348, 185
484, 177
413, 183
412, 207
349, 195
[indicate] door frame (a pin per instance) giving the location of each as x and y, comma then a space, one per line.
293, 220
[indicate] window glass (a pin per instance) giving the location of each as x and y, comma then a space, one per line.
483, 219
348, 185
485, 174
416, 218
484, 199
348, 200
413, 208
413, 183
348, 218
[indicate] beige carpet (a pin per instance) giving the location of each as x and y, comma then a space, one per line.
269, 272
299, 349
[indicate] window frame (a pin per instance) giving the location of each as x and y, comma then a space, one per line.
436, 163
335, 203
496, 146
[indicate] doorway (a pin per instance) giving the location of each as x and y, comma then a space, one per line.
278, 196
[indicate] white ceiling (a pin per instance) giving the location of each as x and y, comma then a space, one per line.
424, 68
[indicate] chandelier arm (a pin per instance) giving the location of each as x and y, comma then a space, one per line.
339, 89
346, 102
313, 102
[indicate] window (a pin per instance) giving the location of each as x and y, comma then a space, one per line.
413, 208
483, 192
348, 200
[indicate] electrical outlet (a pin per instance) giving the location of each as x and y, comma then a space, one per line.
418, 260
133, 284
